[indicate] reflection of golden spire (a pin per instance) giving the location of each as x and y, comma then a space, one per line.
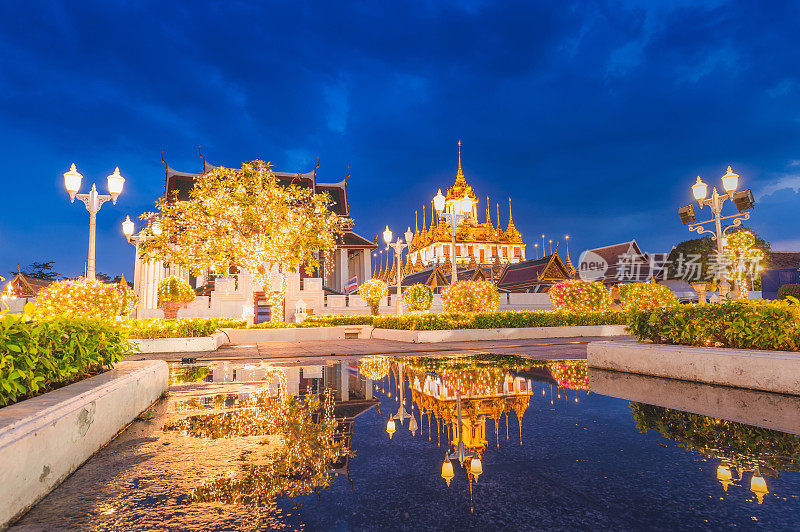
460, 172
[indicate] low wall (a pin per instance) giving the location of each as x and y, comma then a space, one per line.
770, 371
175, 345
291, 334
760, 409
522, 333
44, 439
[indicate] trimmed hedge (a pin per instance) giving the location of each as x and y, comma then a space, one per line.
460, 320
495, 320
37, 356
741, 324
179, 327
789, 290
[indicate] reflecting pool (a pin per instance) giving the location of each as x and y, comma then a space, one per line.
474, 442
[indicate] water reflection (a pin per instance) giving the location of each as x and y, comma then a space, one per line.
471, 442
739, 448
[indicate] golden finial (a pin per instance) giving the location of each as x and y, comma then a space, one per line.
424, 220
416, 222
510, 216
488, 213
460, 172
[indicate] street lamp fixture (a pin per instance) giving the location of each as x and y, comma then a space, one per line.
128, 227
458, 211
93, 201
743, 201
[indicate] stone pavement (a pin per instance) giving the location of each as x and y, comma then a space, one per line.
547, 349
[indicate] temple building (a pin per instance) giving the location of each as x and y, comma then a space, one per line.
235, 297
477, 243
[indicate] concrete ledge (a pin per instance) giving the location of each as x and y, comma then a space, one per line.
769, 371
176, 345
294, 334
522, 333
760, 409
44, 439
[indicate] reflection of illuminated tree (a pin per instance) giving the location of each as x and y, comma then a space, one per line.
192, 374
572, 374
307, 448
374, 367
745, 445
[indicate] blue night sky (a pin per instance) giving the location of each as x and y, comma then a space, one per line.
595, 117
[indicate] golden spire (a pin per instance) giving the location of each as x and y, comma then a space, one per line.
416, 222
460, 172
488, 213
424, 220
510, 216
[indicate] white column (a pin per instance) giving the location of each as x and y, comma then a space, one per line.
366, 267
341, 268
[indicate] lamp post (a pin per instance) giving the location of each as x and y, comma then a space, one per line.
398, 248
128, 229
459, 453
93, 202
458, 211
401, 414
743, 200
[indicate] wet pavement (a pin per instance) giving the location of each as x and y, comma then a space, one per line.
230, 449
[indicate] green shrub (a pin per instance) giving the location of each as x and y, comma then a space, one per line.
38, 355
179, 327
580, 296
493, 320
418, 297
789, 290
470, 296
84, 298
742, 324
646, 296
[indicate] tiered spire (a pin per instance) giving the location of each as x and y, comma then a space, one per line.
488, 214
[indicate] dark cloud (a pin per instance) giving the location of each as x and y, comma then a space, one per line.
593, 116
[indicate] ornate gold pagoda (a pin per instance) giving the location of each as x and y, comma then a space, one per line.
477, 243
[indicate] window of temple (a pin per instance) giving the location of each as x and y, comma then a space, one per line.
483, 258
494, 251
517, 252
447, 250
470, 251
458, 251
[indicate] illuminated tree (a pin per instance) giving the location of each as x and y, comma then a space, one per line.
244, 218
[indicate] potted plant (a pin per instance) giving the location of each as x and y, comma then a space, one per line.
373, 291
418, 298
173, 294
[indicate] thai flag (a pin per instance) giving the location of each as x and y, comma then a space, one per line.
352, 284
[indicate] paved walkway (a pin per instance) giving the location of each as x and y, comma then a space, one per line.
550, 348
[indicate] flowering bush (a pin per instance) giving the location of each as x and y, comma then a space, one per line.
470, 296
580, 296
418, 297
646, 296
78, 298
373, 290
175, 290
